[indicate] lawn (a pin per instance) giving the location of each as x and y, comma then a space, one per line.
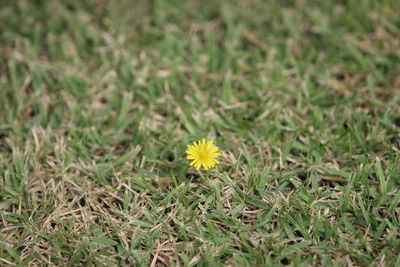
99, 100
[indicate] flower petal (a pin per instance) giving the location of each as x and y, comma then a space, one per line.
215, 154
197, 165
214, 149
206, 166
209, 145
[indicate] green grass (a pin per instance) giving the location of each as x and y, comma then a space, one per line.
99, 99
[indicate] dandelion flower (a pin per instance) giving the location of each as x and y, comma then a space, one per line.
203, 154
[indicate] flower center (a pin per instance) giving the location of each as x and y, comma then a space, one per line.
203, 155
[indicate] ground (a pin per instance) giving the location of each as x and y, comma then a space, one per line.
99, 100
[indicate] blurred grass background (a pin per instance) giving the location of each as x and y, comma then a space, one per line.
98, 100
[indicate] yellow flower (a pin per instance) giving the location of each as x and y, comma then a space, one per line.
203, 153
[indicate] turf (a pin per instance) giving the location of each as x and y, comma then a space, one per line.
99, 99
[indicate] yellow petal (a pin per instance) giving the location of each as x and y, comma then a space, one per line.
198, 144
214, 149
209, 144
205, 166
197, 165
215, 155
